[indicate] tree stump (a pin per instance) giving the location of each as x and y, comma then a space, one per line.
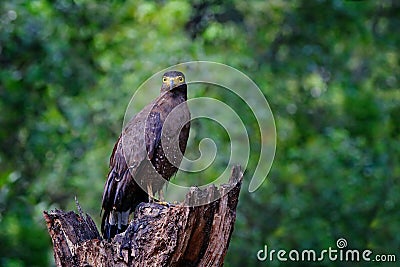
179, 235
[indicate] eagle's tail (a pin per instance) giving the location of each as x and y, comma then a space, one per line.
114, 222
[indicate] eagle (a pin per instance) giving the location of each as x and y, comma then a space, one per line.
147, 154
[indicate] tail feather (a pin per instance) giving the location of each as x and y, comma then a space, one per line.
113, 223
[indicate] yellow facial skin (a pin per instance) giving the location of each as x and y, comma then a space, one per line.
172, 82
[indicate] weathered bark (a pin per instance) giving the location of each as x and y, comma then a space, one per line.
157, 236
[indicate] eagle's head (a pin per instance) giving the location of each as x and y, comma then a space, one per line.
171, 80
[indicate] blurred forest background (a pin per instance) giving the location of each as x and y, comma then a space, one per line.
329, 69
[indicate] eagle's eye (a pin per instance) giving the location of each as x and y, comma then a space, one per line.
164, 79
180, 79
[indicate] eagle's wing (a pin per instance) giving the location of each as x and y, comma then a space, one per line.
112, 176
153, 133
121, 192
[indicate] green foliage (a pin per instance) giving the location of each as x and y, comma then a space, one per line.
330, 71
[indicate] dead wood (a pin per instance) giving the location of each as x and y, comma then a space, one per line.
158, 235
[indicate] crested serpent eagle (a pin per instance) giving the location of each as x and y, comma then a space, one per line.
147, 153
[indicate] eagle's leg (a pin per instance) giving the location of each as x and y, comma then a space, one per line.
150, 192
161, 196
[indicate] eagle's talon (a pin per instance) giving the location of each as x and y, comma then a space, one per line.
164, 203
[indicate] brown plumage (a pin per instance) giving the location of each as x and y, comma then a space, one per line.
149, 150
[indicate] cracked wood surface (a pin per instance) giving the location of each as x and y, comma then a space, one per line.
179, 235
